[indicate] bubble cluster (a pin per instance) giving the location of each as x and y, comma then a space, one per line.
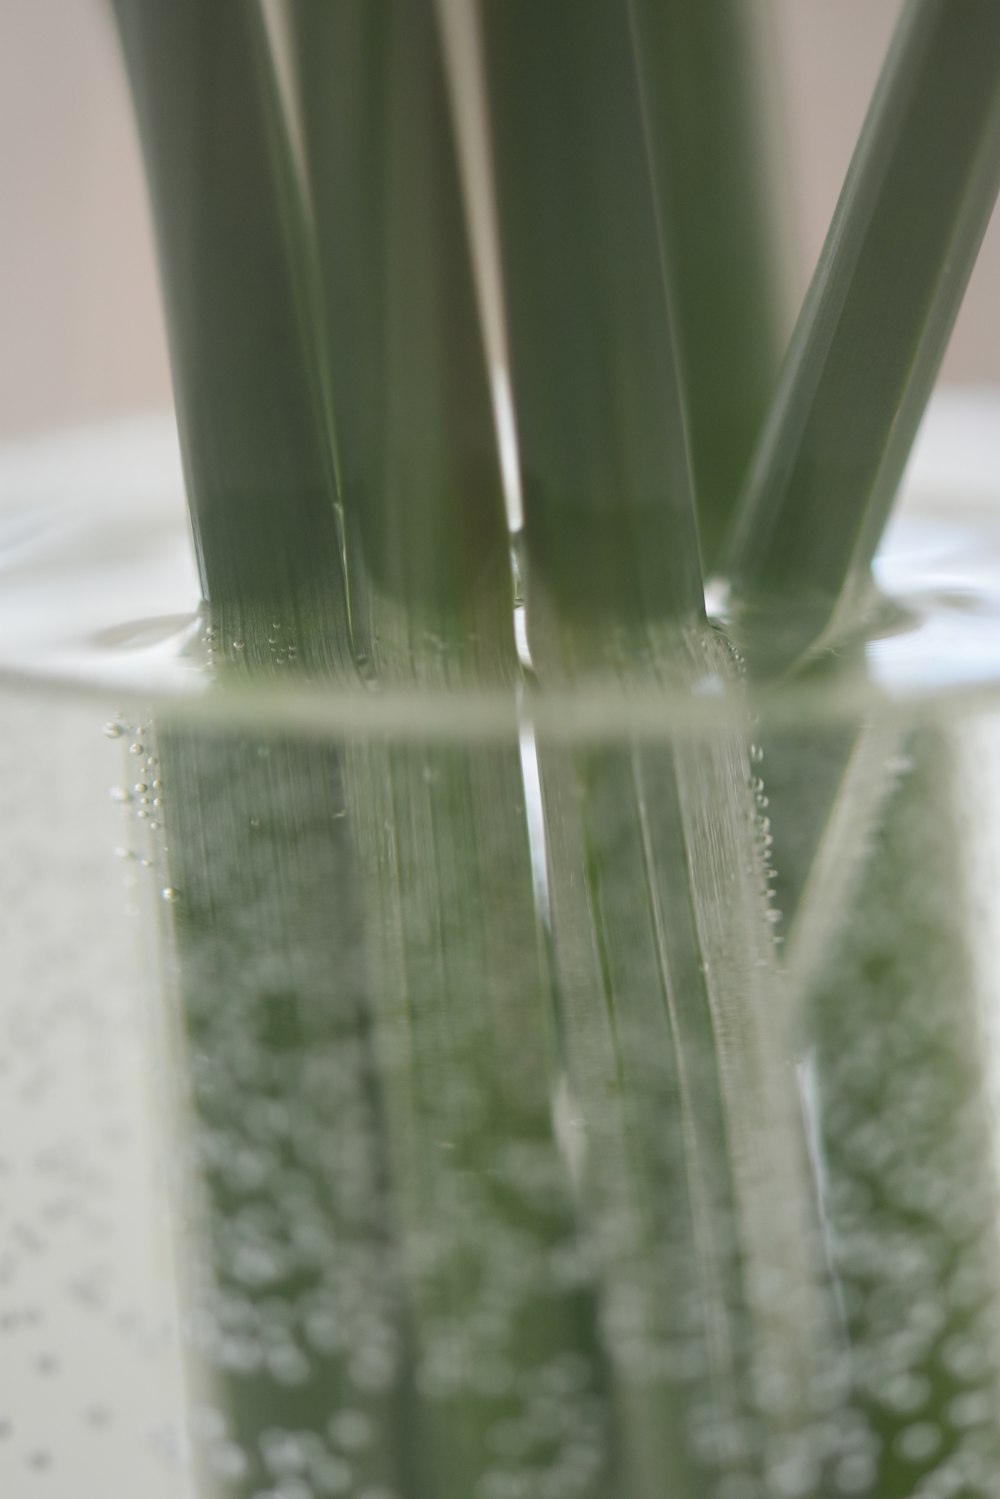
87, 1343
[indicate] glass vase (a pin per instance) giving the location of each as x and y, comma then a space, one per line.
495, 1094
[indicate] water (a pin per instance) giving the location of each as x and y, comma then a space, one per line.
540, 1207
88, 1319
674, 1170
100, 593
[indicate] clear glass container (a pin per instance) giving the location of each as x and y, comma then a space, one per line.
489, 1095
435, 1094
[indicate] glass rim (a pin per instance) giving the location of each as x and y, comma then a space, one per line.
123, 632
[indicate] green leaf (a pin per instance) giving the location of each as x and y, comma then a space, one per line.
610, 534
229, 228
417, 454
710, 131
693, 1173
872, 334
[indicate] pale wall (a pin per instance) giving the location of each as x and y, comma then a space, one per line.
80, 330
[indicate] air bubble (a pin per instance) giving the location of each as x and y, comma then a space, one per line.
288, 1366
283, 1451
294, 1488
855, 1474
324, 1333
228, 1461
169, 894
120, 794
918, 1442
241, 1355
331, 1475
350, 1430
372, 1370
906, 1393
239, 645
965, 1358
756, 754
974, 1408
114, 730
137, 748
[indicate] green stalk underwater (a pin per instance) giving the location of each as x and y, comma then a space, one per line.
909, 1174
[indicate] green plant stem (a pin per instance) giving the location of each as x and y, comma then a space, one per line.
230, 234
872, 334
428, 1103
610, 532
613, 581
712, 155
457, 984
417, 456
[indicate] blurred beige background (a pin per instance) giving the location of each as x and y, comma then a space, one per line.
80, 328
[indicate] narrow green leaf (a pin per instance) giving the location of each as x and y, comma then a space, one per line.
709, 127
871, 337
609, 518
419, 473
230, 237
